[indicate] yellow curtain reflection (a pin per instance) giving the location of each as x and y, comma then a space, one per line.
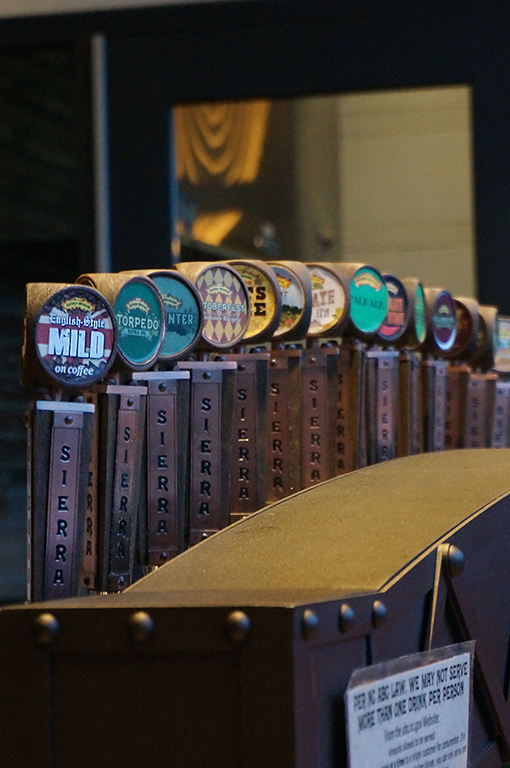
224, 139
213, 227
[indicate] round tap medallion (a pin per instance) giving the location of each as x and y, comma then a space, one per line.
419, 314
293, 299
369, 300
443, 321
183, 313
487, 342
465, 335
75, 336
226, 306
264, 299
398, 310
140, 315
328, 301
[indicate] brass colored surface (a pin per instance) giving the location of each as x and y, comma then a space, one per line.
31, 371
108, 284
347, 536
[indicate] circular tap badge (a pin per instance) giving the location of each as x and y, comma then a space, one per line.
75, 336
226, 306
328, 301
183, 314
293, 299
262, 298
396, 320
464, 324
369, 300
419, 314
141, 322
443, 321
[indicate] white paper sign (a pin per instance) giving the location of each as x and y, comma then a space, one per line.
413, 711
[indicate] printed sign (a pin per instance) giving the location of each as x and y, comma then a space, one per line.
293, 298
140, 319
183, 313
75, 336
369, 300
443, 321
328, 301
413, 711
226, 306
395, 322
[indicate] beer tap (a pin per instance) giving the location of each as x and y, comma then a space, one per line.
69, 344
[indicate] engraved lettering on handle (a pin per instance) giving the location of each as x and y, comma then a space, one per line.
62, 534
205, 460
415, 405
162, 478
475, 416
278, 431
123, 513
244, 499
501, 416
439, 383
343, 446
315, 459
386, 367
89, 567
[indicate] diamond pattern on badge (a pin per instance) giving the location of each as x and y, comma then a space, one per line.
218, 329
229, 331
209, 329
228, 278
208, 278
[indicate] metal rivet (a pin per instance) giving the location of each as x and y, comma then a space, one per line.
130, 402
455, 560
204, 536
345, 617
140, 627
310, 624
273, 363
378, 613
47, 629
238, 626
207, 375
312, 360
68, 419
121, 580
162, 387
163, 557
221, 359
79, 399
241, 367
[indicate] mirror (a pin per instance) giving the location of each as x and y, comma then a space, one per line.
381, 177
